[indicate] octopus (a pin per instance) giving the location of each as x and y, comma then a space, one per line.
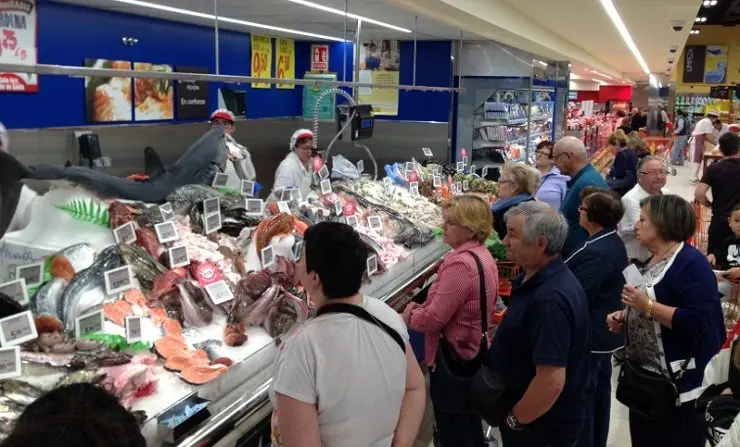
273, 226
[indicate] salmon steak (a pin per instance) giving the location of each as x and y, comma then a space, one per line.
169, 347
198, 375
272, 226
117, 311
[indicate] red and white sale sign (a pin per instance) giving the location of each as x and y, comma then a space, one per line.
320, 58
18, 19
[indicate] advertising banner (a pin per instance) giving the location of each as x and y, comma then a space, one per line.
261, 59
380, 62
716, 64
18, 22
285, 68
107, 100
320, 58
693, 64
154, 99
311, 94
192, 96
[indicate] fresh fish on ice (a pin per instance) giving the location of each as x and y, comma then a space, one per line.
144, 266
21, 392
80, 256
82, 376
46, 299
52, 359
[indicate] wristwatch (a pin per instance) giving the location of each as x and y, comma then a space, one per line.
513, 423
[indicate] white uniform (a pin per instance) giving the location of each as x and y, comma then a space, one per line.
241, 168
291, 173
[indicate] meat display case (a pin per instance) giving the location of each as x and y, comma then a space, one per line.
238, 403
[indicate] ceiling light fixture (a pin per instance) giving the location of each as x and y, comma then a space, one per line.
544, 64
349, 15
622, 28
201, 15
703, 19
694, 31
602, 75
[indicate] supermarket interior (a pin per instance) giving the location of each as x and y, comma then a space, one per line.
163, 163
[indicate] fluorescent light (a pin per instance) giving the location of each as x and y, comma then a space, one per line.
602, 75
544, 64
653, 80
187, 12
599, 81
349, 15
617, 20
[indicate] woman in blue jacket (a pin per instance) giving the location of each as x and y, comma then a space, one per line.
623, 175
598, 265
554, 185
674, 317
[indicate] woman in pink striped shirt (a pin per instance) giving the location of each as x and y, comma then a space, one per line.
452, 309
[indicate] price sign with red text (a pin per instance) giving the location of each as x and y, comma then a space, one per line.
261, 59
18, 31
320, 58
285, 61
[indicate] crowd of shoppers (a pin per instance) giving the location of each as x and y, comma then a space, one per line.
517, 183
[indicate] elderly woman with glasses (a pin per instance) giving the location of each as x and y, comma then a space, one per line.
518, 183
674, 325
451, 315
554, 185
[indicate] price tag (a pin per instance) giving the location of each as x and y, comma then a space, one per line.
179, 256
17, 329
268, 256
372, 265
351, 220
323, 172
414, 188
458, 187
325, 187
32, 273
283, 207
361, 166
212, 205
125, 234
465, 159
472, 169
255, 207
297, 250
453, 189
220, 292
410, 165
10, 362
212, 222
166, 211
484, 173
460, 166
133, 329
427, 152
89, 324
16, 290
437, 181
466, 185
247, 188
220, 180
338, 208
375, 223
295, 194
166, 232
285, 194
118, 280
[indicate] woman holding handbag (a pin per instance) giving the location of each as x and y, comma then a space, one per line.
453, 318
673, 324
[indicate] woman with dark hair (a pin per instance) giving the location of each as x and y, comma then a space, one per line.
73, 416
598, 265
674, 326
623, 174
553, 185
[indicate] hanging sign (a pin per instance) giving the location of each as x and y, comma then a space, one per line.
261, 59
18, 44
285, 65
693, 63
320, 58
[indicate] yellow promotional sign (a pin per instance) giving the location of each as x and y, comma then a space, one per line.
285, 65
716, 65
261, 59
380, 62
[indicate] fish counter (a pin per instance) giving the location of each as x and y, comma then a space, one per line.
179, 308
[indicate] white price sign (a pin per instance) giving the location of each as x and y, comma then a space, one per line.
16, 290
133, 329
118, 280
458, 187
465, 160
295, 194
255, 207
166, 210
361, 166
387, 185
472, 169
10, 362
212, 222
285, 194
179, 256
220, 292
220, 180
325, 187
375, 223
323, 172
267, 256
410, 165
166, 232
283, 207
484, 172
338, 207
460, 166
437, 182
247, 188
297, 249
427, 152
351, 220
32, 273
466, 185
125, 234
372, 265
17, 329
89, 324
414, 188
212, 205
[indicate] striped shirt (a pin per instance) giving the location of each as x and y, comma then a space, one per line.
452, 307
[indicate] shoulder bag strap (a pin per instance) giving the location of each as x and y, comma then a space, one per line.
359, 312
483, 301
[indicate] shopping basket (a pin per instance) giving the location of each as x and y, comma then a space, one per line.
700, 239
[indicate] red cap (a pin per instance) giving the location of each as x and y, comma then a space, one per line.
222, 114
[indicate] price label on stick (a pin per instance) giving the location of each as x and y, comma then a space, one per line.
166, 211
414, 188
361, 166
212, 223
247, 188
437, 182
133, 329
255, 207
166, 232
220, 180
458, 187
410, 165
375, 223
323, 172
338, 208
387, 184
465, 159
125, 234
89, 324
372, 265
472, 169
17, 329
285, 194
220, 292
267, 256
295, 194
32, 273
325, 187
484, 172
179, 256
118, 280
351, 221
10, 362
212, 205
283, 207
427, 152
460, 166
297, 249
465, 185
16, 290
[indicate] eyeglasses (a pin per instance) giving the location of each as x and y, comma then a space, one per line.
655, 172
547, 154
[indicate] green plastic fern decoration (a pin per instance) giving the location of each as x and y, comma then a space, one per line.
87, 210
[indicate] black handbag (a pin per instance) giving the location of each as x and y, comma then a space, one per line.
452, 376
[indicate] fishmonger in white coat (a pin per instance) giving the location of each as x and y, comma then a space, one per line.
296, 170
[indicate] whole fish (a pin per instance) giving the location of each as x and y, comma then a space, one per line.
87, 288
21, 392
46, 299
144, 266
82, 376
81, 256
195, 310
43, 377
184, 197
370, 242
9, 410
52, 359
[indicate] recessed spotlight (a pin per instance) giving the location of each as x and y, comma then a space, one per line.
713, 3
703, 19
694, 31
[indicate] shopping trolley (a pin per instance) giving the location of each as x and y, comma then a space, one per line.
700, 239
660, 148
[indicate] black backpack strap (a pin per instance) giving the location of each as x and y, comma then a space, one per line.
359, 312
483, 302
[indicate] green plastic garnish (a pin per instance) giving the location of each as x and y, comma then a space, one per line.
118, 342
228, 191
87, 210
437, 231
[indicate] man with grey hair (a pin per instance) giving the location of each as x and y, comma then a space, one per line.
541, 349
571, 158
